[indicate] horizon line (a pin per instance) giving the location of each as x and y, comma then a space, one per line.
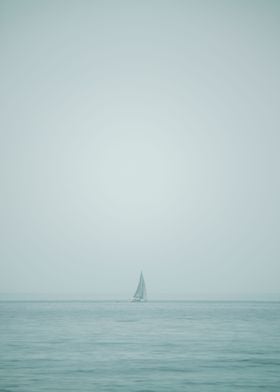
46, 296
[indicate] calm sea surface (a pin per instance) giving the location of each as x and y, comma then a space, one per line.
155, 346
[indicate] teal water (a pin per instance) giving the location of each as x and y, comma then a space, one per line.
155, 346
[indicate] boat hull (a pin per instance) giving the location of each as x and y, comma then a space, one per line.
138, 300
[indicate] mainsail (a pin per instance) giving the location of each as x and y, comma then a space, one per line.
140, 293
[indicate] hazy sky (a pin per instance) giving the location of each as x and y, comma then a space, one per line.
140, 135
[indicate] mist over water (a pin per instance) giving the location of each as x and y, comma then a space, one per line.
139, 136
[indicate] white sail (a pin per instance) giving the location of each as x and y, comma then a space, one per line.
141, 292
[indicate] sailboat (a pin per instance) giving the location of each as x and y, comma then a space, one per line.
140, 293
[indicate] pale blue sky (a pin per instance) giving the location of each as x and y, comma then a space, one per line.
140, 135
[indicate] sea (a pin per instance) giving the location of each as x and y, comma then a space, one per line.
120, 346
